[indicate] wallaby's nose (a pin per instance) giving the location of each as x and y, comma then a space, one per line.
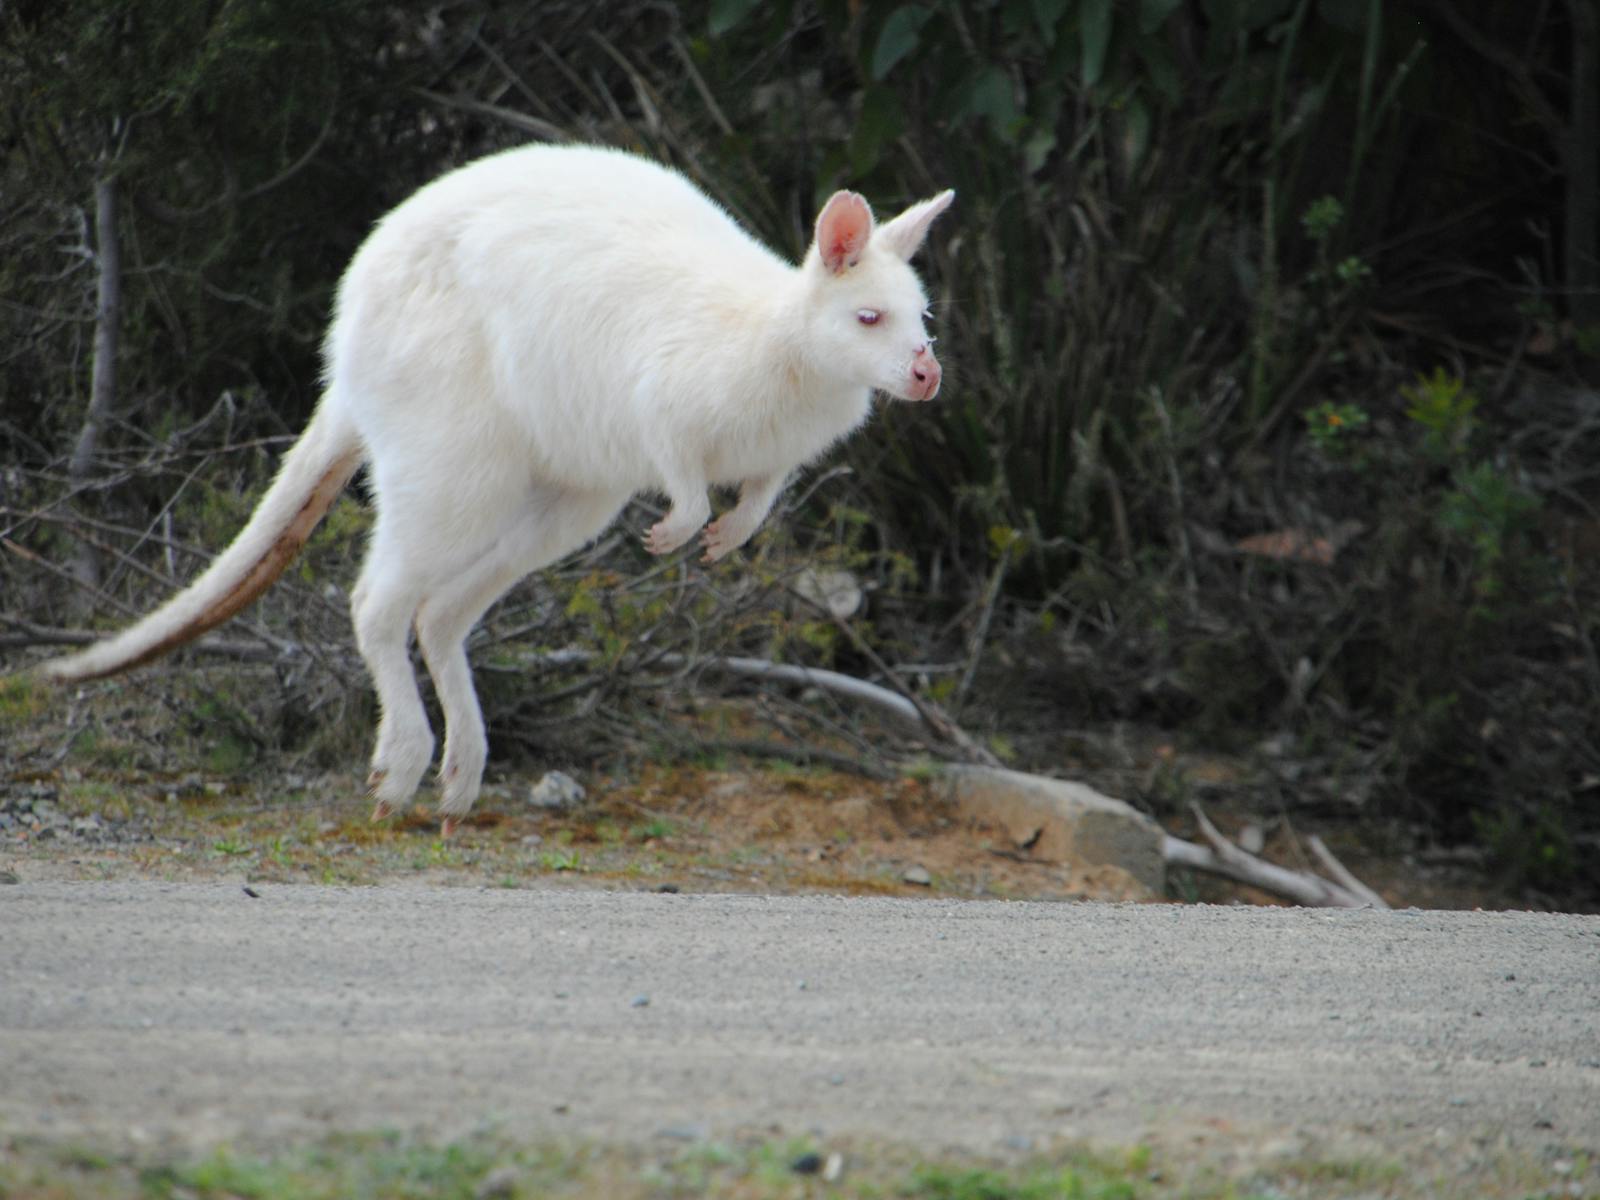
925, 374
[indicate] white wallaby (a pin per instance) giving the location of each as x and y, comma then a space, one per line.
517, 350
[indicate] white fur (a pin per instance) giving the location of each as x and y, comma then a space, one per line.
522, 346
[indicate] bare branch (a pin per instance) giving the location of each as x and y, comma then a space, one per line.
535, 126
1223, 858
1342, 873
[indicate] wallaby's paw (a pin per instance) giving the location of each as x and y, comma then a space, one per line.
460, 777
665, 537
381, 811
722, 537
397, 767
448, 826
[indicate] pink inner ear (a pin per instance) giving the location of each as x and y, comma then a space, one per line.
843, 230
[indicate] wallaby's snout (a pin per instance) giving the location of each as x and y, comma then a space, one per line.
925, 373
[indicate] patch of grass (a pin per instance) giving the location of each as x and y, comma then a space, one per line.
84, 796
93, 750
560, 860
652, 830
438, 854
387, 1164
22, 698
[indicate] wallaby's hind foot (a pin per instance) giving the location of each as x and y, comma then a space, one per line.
461, 776
398, 764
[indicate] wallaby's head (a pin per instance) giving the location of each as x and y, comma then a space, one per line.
865, 306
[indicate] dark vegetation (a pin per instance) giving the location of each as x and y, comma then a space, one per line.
1272, 330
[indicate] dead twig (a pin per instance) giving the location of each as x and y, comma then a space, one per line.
934, 717
1342, 873
1222, 857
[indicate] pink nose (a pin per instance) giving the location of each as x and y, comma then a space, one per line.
925, 374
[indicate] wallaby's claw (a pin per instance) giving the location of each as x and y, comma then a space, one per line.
380, 807
448, 826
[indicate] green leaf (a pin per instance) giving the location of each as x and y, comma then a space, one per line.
1135, 133
992, 95
1161, 69
1153, 14
898, 38
1047, 15
1243, 16
1095, 22
879, 123
725, 14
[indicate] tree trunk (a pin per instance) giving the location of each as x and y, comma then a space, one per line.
103, 381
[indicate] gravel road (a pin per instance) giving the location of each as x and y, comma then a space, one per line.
182, 1014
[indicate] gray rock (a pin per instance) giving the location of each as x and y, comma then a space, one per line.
556, 792
918, 875
1060, 821
837, 593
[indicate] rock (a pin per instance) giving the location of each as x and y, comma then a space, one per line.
918, 875
1060, 821
837, 593
556, 792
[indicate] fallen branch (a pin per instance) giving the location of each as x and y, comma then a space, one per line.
1224, 858
934, 717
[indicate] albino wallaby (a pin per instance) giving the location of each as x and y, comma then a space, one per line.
516, 350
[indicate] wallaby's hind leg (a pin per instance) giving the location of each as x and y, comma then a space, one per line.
382, 608
443, 622
557, 522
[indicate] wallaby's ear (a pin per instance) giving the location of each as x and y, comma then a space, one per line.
905, 233
843, 227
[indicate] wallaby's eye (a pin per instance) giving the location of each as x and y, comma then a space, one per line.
868, 316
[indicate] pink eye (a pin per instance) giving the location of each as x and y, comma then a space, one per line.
868, 316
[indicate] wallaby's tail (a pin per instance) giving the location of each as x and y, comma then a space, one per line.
313, 474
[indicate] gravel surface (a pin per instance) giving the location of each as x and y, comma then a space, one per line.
185, 1014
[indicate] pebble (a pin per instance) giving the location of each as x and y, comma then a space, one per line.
556, 792
31, 811
918, 875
